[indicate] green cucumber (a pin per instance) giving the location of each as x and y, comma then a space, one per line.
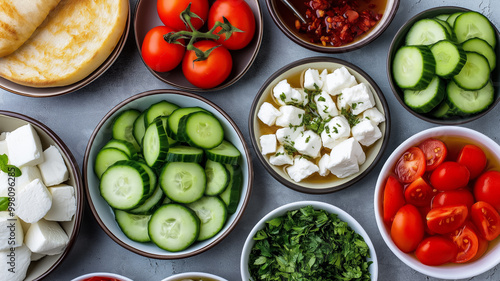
135, 227
217, 177
225, 153
413, 67
201, 129
231, 196
107, 157
155, 144
182, 153
483, 48
474, 74
450, 58
474, 25
423, 101
122, 145
426, 32
123, 126
175, 117
162, 108
466, 102
212, 213
183, 182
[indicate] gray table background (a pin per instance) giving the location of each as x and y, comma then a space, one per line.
74, 116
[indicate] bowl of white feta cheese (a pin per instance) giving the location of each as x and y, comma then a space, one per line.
40, 207
319, 124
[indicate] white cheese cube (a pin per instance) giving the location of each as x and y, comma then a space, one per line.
29, 174
308, 143
63, 203
3, 135
24, 146
268, 143
359, 98
290, 116
336, 131
322, 77
326, 106
338, 80
305, 97
345, 158
268, 114
282, 91
301, 169
281, 157
5, 181
312, 78
11, 231
36, 256
4, 149
323, 165
374, 115
33, 201
53, 169
366, 132
46, 237
14, 264
288, 135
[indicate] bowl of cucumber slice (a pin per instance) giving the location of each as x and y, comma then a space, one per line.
442, 65
168, 174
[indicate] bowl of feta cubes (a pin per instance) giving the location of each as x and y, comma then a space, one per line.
319, 124
41, 198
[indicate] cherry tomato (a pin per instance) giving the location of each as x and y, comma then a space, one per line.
240, 15
446, 219
450, 175
157, 53
423, 212
393, 198
436, 250
487, 188
411, 165
467, 241
435, 152
482, 244
453, 197
407, 229
170, 11
210, 72
486, 219
473, 158
419, 193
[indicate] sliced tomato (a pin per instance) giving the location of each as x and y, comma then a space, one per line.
411, 165
423, 212
419, 193
453, 197
435, 152
486, 219
407, 229
482, 244
467, 241
446, 219
450, 175
393, 198
436, 250
472, 157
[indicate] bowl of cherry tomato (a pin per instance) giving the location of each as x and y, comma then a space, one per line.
101, 276
202, 59
437, 202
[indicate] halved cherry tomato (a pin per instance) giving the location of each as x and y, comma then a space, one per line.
487, 188
158, 54
482, 244
423, 212
169, 12
407, 229
472, 157
411, 165
486, 219
467, 241
393, 198
450, 175
435, 152
453, 197
446, 219
436, 250
419, 193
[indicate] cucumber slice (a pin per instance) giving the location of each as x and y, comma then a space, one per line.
474, 25
171, 141
446, 26
231, 196
226, 153
123, 126
483, 48
200, 129
450, 58
474, 74
155, 145
139, 128
162, 108
175, 117
182, 153
152, 177
425, 100
122, 145
174, 227
151, 204
125, 185
413, 67
443, 17
107, 157
426, 32
183, 182
217, 177
451, 19
470, 102
135, 227
442, 110
212, 213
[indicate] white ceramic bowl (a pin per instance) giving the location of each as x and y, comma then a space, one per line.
102, 133
194, 276
102, 274
249, 242
448, 271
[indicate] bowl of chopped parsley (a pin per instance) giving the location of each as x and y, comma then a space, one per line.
308, 240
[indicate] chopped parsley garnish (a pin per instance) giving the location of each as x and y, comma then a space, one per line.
308, 138
289, 149
321, 99
283, 97
351, 118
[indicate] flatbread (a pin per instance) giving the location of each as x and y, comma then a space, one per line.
74, 40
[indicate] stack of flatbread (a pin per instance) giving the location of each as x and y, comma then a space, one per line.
50, 43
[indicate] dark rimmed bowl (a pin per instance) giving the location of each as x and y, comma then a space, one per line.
102, 133
9, 121
284, 19
146, 17
57, 91
398, 41
373, 154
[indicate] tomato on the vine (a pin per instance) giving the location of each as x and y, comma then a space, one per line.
450, 175
419, 193
446, 219
453, 197
411, 165
486, 219
393, 198
472, 157
436, 250
169, 12
157, 53
467, 241
407, 229
435, 152
487, 188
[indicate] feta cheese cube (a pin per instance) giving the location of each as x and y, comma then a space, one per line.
339, 80
281, 91
29, 174
53, 169
322, 77
308, 143
63, 203
4, 149
268, 114
46, 237
312, 78
14, 264
288, 135
301, 169
11, 231
281, 157
323, 165
290, 116
4, 184
359, 98
268, 143
345, 158
326, 106
33, 201
36, 256
24, 146
374, 115
366, 132
3, 135
336, 131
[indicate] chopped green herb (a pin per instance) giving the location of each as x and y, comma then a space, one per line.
9, 169
289, 149
283, 97
327, 130
308, 139
321, 99
279, 153
367, 117
4, 204
351, 118
335, 130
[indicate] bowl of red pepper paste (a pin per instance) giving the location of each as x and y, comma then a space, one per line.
333, 26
